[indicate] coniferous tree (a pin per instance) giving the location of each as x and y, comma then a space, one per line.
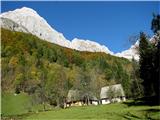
156, 29
155, 23
150, 59
146, 66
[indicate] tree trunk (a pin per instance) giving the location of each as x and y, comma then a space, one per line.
44, 107
64, 103
88, 102
99, 101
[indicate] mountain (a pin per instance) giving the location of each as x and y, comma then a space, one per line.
87, 45
9, 24
38, 26
132, 52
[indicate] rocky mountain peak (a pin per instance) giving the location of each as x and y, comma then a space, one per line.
28, 20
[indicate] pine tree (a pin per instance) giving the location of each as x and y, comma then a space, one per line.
146, 64
156, 29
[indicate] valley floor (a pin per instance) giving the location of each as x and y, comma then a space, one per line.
117, 111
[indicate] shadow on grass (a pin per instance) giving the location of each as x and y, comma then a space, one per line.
130, 116
152, 114
148, 114
15, 117
149, 101
152, 110
19, 117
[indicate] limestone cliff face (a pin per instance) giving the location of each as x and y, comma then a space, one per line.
38, 26
29, 21
11, 25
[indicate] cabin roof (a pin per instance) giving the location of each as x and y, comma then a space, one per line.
75, 95
117, 88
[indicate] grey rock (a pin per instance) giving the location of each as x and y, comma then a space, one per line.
11, 25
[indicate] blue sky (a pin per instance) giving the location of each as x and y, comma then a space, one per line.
108, 23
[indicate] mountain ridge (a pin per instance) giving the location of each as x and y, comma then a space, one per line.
38, 26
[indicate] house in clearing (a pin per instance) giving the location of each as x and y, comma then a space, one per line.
73, 98
76, 98
113, 93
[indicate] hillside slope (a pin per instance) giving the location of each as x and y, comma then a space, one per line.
46, 70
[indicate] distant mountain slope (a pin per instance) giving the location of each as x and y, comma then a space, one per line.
132, 52
38, 26
87, 45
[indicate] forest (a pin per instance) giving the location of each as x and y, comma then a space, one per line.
47, 71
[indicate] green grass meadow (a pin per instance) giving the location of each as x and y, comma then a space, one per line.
15, 104
116, 111
18, 106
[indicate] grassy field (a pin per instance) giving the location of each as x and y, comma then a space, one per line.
116, 111
18, 107
15, 104
18, 104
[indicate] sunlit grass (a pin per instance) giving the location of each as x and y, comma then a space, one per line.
19, 107
116, 111
15, 104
